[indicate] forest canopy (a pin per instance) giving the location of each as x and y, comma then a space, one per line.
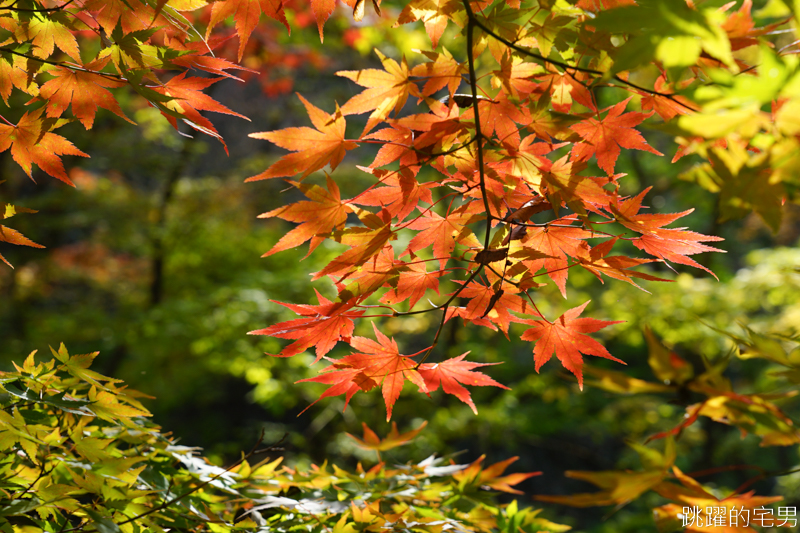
449, 190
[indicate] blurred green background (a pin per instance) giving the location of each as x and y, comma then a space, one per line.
154, 260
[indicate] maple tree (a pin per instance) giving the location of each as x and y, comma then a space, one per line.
477, 197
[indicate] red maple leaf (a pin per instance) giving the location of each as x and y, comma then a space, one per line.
669, 244
344, 380
603, 137
324, 212
325, 324
32, 143
376, 362
454, 373
313, 148
566, 337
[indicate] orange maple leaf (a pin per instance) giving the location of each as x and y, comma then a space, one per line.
669, 244
451, 374
376, 362
189, 99
246, 13
12, 236
492, 303
667, 107
323, 326
603, 137
442, 71
597, 261
556, 242
367, 245
490, 476
397, 146
705, 508
387, 90
32, 143
412, 283
566, 337
371, 441
85, 91
441, 232
433, 13
313, 148
400, 194
324, 212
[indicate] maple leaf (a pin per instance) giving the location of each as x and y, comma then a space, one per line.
386, 90
376, 362
344, 380
565, 90
45, 34
491, 302
515, 76
322, 213
369, 244
433, 13
246, 13
313, 148
556, 242
452, 374
500, 117
490, 476
735, 510
441, 71
12, 236
397, 146
667, 107
400, 194
32, 143
394, 439
129, 15
187, 99
441, 232
323, 326
603, 137
374, 274
414, 280
563, 184
597, 261
669, 244
85, 91
566, 337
